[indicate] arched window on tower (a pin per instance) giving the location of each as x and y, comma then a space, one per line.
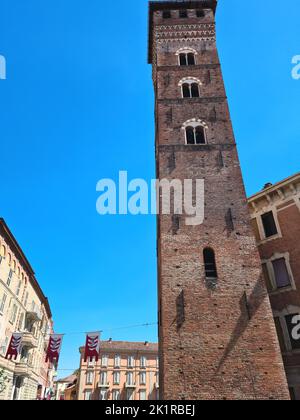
210, 264
195, 132
190, 87
187, 57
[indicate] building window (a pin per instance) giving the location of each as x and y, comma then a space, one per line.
88, 395
3, 301
103, 395
130, 361
90, 378
19, 288
103, 378
9, 279
166, 14
282, 277
292, 321
143, 362
116, 394
13, 314
195, 135
183, 14
200, 13
190, 90
187, 59
143, 395
129, 395
269, 224
130, 380
143, 378
210, 264
21, 322
116, 378
117, 361
104, 360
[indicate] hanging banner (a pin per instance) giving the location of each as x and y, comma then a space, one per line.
92, 347
54, 348
14, 347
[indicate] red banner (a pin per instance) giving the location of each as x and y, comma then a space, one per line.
54, 348
92, 347
14, 347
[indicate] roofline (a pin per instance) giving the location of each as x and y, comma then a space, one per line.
22, 257
106, 347
274, 187
177, 4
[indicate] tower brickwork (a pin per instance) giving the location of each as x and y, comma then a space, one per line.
216, 331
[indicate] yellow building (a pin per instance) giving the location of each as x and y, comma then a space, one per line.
125, 371
24, 309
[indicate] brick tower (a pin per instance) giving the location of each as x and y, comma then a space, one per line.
217, 335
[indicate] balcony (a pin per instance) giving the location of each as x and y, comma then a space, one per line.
29, 341
103, 385
130, 386
22, 369
34, 314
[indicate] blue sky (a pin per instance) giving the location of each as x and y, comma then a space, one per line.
77, 106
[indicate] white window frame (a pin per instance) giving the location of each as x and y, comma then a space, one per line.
104, 360
90, 376
117, 361
3, 303
186, 50
88, 393
116, 394
271, 272
143, 378
143, 362
130, 361
143, 392
190, 81
103, 378
116, 378
131, 381
194, 122
261, 229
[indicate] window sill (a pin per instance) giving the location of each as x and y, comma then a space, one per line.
271, 238
282, 290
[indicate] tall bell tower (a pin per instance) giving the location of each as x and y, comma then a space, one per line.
217, 335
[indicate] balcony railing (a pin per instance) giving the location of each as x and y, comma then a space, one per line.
103, 385
22, 369
28, 340
34, 314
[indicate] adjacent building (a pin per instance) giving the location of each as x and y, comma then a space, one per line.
25, 309
66, 388
125, 371
217, 337
275, 213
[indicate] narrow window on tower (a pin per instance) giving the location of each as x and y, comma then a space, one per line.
167, 14
183, 59
183, 14
195, 90
200, 13
191, 59
210, 264
186, 92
